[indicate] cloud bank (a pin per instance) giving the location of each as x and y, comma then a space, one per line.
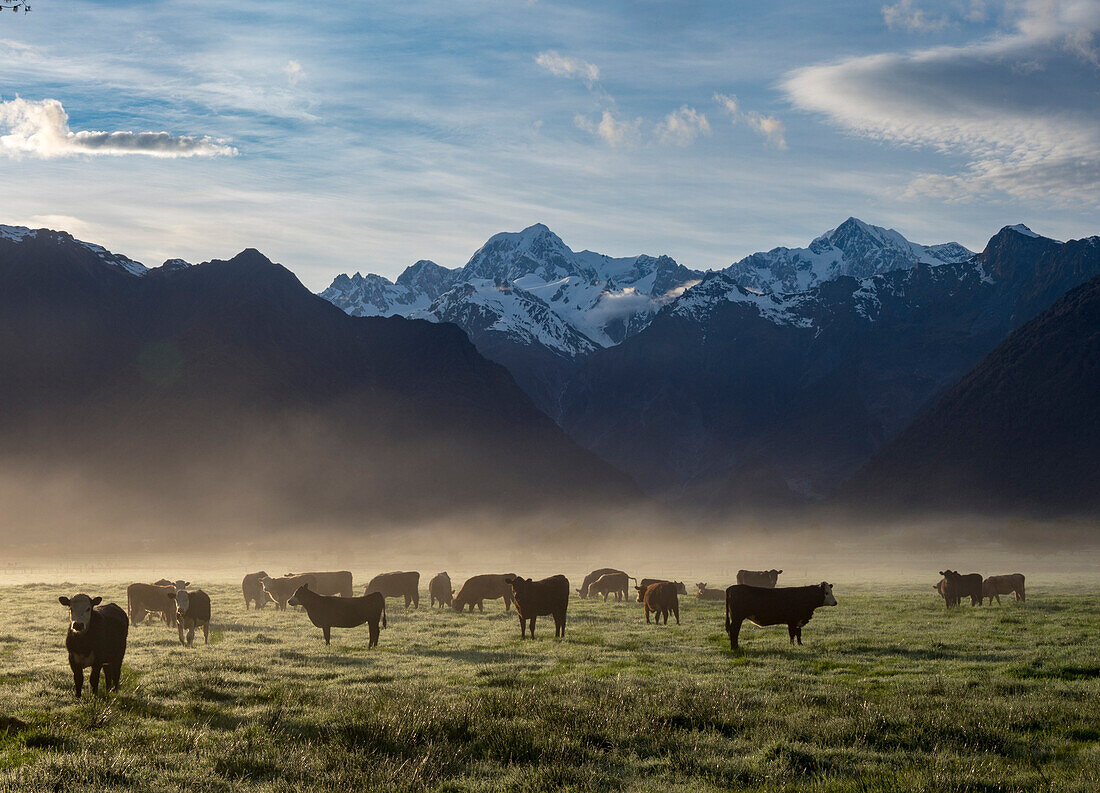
41, 129
1022, 108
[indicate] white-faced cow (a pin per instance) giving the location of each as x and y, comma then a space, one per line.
192, 611
550, 596
761, 578
96, 639
791, 606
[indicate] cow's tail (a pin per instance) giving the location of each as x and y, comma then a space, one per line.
383, 612
727, 614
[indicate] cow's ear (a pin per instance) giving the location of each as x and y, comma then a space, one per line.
188, 583
96, 601
64, 601
778, 571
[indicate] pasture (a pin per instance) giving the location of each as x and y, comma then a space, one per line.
890, 692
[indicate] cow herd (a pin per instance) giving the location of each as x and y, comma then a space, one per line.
97, 633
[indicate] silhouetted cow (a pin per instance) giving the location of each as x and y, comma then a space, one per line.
253, 590
709, 594
997, 585
396, 585
790, 606
760, 578
550, 596
484, 587
947, 592
594, 576
328, 612
617, 584
192, 611
96, 639
440, 590
659, 598
961, 586
145, 599
331, 582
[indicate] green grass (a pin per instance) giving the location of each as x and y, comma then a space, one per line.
890, 692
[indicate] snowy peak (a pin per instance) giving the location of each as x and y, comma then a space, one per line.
510, 255
1020, 228
427, 277
21, 235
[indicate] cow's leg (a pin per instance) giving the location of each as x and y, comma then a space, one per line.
734, 632
93, 678
798, 635
532, 627
790, 631
191, 635
480, 606
676, 611
78, 679
416, 599
374, 631
179, 626
522, 628
646, 609
328, 633
664, 613
206, 633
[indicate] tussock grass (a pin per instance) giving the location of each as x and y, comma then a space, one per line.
890, 692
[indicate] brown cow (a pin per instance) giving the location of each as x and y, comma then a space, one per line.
960, 586
328, 612
645, 583
396, 585
617, 584
253, 590
761, 578
659, 599
333, 582
947, 592
593, 577
709, 594
791, 606
192, 611
280, 590
550, 596
96, 638
997, 585
479, 588
179, 583
440, 589
145, 599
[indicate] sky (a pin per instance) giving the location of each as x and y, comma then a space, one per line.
361, 136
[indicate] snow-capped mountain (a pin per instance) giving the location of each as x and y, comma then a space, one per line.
853, 248
117, 260
374, 296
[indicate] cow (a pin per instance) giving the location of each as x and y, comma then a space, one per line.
280, 590
997, 585
328, 612
192, 611
145, 599
964, 585
480, 588
96, 639
334, 582
791, 606
617, 584
760, 578
659, 598
702, 593
440, 589
395, 585
550, 596
253, 590
947, 592
646, 582
592, 577
179, 583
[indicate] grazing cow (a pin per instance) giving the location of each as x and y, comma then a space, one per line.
550, 596
645, 583
961, 586
328, 612
660, 598
254, 590
997, 585
617, 584
145, 599
709, 594
791, 606
396, 585
96, 639
761, 578
280, 590
335, 582
440, 589
480, 588
592, 578
192, 611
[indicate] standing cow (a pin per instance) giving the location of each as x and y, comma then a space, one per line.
760, 578
997, 585
145, 599
192, 611
328, 612
332, 582
480, 588
592, 578
960, 586
550, 596
617, 584
396, 585
659, 599
96, 639
253, 590
947, 592
280, 590
440, 590
791, 606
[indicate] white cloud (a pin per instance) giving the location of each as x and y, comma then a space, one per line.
613, 131
1020, 107
41, 129
907, 15
770, 128
681, 127
573, 68
293, 72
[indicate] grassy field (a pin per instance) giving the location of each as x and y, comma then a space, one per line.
890, 692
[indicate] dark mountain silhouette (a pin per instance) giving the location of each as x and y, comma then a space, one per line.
230, 380
1020, 431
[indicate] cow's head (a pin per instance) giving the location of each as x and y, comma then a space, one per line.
827, 593
183, 600
295, 599
701, 587
641, 593
518, 583
181, 584
774, 573
80, 610
680, 588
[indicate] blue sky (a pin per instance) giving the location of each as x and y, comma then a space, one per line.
364, 136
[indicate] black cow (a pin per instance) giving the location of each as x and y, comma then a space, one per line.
96, 638
790, 606
550, 596
960, 585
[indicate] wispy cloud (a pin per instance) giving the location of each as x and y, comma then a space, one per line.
573, 68
613, 130
41, 129
770, 128
907, 15
681, 127
293, 72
